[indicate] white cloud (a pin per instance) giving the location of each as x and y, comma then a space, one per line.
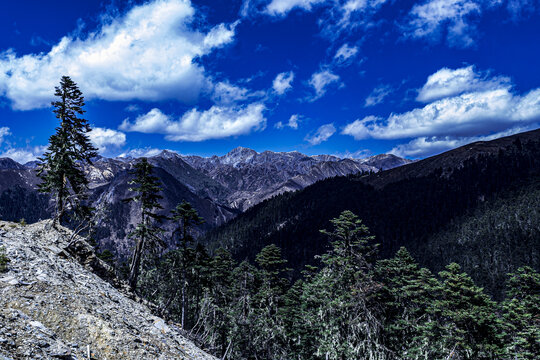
215, 123
282, 82
358, 154
4, 131
292, 123
320, 81
435, 18
359, 128
140, 152
428, 146
227, 93
345, 52
282, 7
104, 138
146, 54
133, 108
491, 107
322, 134
466, 114
152, 122
377, 95
24, 155
447, 82
346, 16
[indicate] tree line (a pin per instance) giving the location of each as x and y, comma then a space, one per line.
348, 304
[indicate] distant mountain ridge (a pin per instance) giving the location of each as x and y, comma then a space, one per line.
253, 177
219, 187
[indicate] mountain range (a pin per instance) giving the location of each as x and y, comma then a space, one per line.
219, 187
476, 205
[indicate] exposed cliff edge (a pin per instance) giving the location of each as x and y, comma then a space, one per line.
54, 306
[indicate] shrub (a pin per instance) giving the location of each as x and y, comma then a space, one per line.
4, 260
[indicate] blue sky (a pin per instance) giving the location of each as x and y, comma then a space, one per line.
344, 77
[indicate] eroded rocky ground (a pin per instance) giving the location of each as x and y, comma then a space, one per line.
54, 307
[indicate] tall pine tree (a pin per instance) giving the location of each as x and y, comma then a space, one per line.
61, 169
522, 314
186, 218
339, 301
147, 189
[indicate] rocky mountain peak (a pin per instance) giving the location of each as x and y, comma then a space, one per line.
7, 163
238, 155
54, 307
168, 154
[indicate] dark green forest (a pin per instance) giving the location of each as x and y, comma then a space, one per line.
481, 213
352, 306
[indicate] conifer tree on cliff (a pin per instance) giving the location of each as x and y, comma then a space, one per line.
69, 148
146, 188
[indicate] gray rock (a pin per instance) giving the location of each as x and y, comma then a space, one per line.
74, 309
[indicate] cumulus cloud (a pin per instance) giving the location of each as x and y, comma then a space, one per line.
282, 82
24, 155
435, 18
320, 81
292, 123
282, 7
322, 134
491, 107
345, 52
448, 82
215, 123
4, 131
377, 95
463, 115
104, 138
147, 54
428, 146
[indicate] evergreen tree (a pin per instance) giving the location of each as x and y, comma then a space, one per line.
186, 217
399, 294
147, 188
291, 315
339, 302
407, 290
61, 169
216, 316
243, 336
268, 327
466, 325
522, 314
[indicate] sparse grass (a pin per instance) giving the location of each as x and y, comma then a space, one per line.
4, 260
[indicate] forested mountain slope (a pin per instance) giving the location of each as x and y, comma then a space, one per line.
412, 206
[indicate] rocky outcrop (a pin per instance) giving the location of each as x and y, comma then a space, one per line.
53, 306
